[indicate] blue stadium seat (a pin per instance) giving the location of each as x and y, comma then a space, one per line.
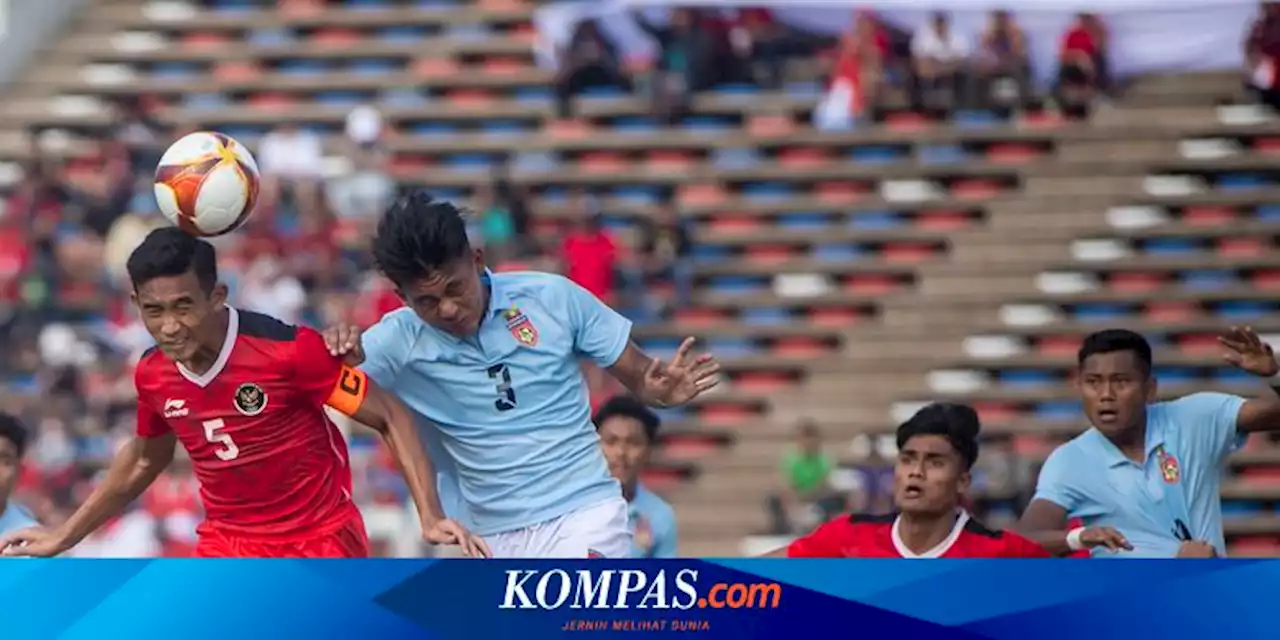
672, 414
766, 316
245, 133
1027, 378
1207, 280
732, 347
638, 194
706, 124
660, 347
838, 251
468, 32
1241, 181
609, 92
875, 220
503, 128
536, 161
204, 101
302, 67
404, 97
533, 95
710, 252
1057, 410
636, 125
972, 119
804, 89
737, 285
769, 191
1242, 508
433, 130
804, 221
271, 37
373, 66
341, 98
1100, 312
616, 223
1232, 375
449, 195
735, 158
1177, 375
1269, 212
876, 155
402, 34
1244, 310
736, 90
368, 4
176, 70
555, 195
1170, 246
232, 5
469, 162
942, 154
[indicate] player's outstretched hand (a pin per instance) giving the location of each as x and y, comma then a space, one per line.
450, 532
1104, 537
1244, 349
35, 541
344, 340
683, 379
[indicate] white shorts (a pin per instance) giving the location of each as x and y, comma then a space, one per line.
596, 531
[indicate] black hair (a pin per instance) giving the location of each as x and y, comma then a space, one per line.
11, 429
626, 406
958, 423
418, 235
1115, 340
170, 251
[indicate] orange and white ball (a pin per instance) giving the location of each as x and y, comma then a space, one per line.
207, 183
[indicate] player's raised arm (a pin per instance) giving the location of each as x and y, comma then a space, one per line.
353, 393
133, 469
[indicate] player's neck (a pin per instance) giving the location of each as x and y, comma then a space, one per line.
921, 532
206, 355
1132, 442
629, 490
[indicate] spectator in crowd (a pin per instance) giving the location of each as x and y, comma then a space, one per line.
589, 253
514, 199
628, 431
764, 46
1003, 68
1262, 55
807, 497
940, 56
292, 162
684, 64
857, 75
663, 255
140, 133
1082, 66
589, 60
497, 226
269, 289
13, 444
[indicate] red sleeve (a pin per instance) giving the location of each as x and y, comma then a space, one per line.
1016, 546
323, 378
150, 422
827, 541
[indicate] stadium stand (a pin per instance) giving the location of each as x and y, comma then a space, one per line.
841, 277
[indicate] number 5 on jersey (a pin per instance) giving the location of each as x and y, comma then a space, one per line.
212, 433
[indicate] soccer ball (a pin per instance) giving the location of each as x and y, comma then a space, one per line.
207, 183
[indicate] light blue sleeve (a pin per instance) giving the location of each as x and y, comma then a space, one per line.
664, 543
600, 333
1206, 424
1058, 481
387, 346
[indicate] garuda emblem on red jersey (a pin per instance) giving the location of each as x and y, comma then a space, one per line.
520, 326
250, 399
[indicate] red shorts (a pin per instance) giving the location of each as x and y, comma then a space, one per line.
350, 541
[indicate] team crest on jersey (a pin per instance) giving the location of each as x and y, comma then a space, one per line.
520, 326
1168, 466
250, 399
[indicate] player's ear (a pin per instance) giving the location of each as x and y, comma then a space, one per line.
478, 255
965, 481
1153, 390
219, 295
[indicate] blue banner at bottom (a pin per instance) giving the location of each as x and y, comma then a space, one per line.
489, 599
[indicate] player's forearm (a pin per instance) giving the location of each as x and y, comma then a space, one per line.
389, 418
131, 472
1055, 542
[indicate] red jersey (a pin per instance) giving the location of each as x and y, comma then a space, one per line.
270, 462
590, 260
864, 536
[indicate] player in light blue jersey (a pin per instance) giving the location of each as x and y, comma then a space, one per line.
1145, 479
13, 443
490, 362
628, 431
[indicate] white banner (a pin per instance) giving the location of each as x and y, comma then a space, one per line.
1146, 35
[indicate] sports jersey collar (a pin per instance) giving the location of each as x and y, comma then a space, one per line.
962, 519
499, 298
224, 354
1116, 458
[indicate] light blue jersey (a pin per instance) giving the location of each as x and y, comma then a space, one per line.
510, 407
14, 517
653, 525
1188, 441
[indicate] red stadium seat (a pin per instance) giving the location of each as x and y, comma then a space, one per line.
1254, 547
1266, 279
1065, 345
839, 192
1207, 216
271, 100
701, 194
660, 479
908, 252
670, 160
803, 157
568, 129
1042, 119
975, 189
523, 32
907, 121
1264, 476
834, 317
700, 317
238, 71
337, 37
942, 220
1198, 344
471, 97
204, 39
770, 126
734, 224
691, 446
1242, 246
762, 382
1032, 446
769, 253
502, 5
724, 413
410, 163
996, 412
1170, 312
1267, 145
869, 284
598, 162
301, 8
428, 68
799, 347
544, 226
504, 66
1012, 153
1135, 282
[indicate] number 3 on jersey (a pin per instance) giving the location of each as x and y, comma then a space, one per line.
229, 450
506, 394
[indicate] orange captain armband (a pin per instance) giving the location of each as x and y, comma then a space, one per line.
348, 394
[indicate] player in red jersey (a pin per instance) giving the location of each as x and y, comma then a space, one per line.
245, 394
936, 450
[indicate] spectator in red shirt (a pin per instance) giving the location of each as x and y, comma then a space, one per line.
1082, 65
589, 253
936, 450
1262, 55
